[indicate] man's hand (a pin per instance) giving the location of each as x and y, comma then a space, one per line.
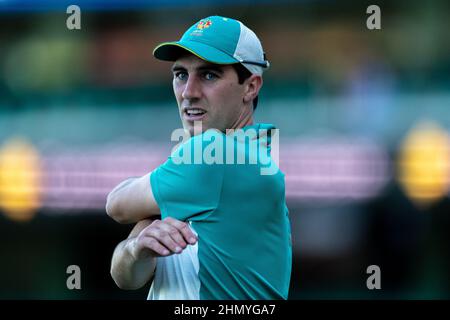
134, 259
161, 238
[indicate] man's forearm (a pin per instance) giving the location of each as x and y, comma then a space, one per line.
127, 272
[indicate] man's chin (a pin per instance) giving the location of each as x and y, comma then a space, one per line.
196, 128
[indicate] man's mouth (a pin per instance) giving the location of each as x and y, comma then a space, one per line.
194, 114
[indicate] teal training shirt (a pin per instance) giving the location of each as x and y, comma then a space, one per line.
239, 214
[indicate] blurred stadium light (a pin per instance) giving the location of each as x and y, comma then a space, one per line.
424, 163
20, 185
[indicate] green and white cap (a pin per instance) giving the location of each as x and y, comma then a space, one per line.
218, 40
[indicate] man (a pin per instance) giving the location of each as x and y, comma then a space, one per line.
224, 231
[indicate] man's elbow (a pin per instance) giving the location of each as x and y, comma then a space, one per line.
127, 286
124, 286
114, 211
122, 283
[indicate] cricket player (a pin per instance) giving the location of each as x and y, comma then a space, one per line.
210, 229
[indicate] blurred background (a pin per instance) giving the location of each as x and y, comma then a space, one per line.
364, 118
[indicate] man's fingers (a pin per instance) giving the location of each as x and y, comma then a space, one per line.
155, 246
164, 238
175, 234
183, 227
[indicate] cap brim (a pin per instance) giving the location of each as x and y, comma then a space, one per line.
171, 51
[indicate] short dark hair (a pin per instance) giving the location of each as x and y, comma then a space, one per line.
243, 74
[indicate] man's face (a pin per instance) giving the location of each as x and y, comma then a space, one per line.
209, 93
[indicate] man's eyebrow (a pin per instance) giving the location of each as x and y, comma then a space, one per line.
178, 68
211, 67
207, 67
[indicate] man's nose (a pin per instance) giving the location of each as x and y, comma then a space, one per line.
192, 89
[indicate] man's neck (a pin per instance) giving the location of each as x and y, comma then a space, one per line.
245, 119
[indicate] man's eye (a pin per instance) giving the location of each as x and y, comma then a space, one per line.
181, 75
210, 76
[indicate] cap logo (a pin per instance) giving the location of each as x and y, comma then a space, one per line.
204, 24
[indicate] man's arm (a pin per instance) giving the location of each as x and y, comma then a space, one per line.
134, 259
132, 201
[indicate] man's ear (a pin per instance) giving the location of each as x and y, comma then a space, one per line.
252, 86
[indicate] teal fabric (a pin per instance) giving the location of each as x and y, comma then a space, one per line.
213, 39
240, 216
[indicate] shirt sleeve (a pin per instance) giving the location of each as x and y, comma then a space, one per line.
186, 191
